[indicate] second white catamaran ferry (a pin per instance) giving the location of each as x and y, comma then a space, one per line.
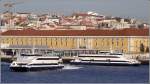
105, 58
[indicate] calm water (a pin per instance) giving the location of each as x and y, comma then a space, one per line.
79, 74
124, 8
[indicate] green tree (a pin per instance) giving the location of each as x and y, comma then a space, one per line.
147, 49
142, 48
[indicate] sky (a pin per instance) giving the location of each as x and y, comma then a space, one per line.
123, 8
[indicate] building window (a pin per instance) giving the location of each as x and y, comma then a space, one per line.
56, 39
41, 41
122, 43
96, 42
122, 51
117, 39
66, 41
107, 42
46, 40
61, 41
117, 43
21, 41
51, 42
112, 43
135, 43
73, 42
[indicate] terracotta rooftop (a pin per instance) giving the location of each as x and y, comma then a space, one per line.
123, 32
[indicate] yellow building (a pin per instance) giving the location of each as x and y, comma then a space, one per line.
89, 41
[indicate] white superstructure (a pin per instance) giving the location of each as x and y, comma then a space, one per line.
104, 58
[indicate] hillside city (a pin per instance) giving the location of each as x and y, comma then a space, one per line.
75, 21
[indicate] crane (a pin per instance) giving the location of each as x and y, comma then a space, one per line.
9, 5
9, 15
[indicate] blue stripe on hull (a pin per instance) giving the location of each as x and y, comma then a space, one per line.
104, 64
24, 69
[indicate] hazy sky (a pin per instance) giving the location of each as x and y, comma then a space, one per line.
124, 8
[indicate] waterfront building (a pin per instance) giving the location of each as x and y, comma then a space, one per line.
73, 42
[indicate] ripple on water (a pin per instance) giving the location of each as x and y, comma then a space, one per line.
80, 74
70, 67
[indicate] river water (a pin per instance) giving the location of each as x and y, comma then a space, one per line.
123, 8
79, 74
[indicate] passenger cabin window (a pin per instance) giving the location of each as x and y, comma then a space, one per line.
30, 55
102, 56
47, 58
115, 53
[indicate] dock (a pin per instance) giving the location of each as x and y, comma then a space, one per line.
144, 59
8, 59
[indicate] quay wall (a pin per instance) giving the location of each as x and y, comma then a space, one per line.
143, 58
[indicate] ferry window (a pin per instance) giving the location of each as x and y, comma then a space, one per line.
118, 61
47, 58
30, 55
44, 64
115, 54
103, 56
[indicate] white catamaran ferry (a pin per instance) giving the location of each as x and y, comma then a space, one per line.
105, 58
27, 62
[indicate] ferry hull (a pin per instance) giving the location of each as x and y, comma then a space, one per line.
21, 69
104, 64
24, 69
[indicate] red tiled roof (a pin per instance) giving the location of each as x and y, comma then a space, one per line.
123, 32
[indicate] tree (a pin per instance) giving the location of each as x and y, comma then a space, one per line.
141, 47
147, 49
